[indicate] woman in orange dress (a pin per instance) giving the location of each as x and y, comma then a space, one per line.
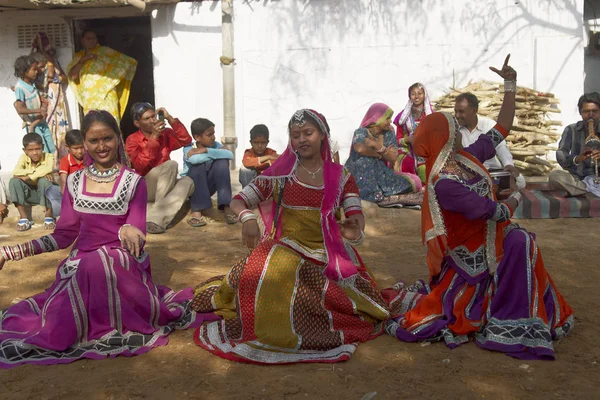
487, 276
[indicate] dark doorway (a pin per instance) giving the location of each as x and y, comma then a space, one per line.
131, 36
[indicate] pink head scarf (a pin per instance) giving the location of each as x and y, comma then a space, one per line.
377, 114
339, 263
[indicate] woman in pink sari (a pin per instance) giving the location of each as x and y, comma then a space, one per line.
303, 294
417, 108
103, 302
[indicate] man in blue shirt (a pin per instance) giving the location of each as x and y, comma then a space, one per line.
574, 155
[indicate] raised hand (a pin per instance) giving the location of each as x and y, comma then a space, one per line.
507, 72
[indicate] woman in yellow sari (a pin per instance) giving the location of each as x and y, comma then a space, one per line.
100, 77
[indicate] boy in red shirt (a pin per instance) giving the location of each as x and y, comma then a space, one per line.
259, 157
73, 161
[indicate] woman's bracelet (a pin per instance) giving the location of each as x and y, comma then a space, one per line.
510, 86
517, 196
18, 252
119, 234
246, 215
382, 150
358, 240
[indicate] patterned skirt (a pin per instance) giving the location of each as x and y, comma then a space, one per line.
518, 310
278, 308
102, 304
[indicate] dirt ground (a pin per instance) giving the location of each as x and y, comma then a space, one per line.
184, 256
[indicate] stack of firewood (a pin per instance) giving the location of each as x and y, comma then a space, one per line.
533, 134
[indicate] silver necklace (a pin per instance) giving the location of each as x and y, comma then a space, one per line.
106, 176
310, 172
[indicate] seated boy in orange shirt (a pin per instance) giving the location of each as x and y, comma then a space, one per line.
259, 157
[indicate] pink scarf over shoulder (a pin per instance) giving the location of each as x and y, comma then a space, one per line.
339, 263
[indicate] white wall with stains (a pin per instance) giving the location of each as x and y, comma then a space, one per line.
336, 56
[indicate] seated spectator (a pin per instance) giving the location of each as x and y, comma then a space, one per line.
73, 161
207, 163
149, 150
374, 144
574, 155
28, 102
257, 158
69, 164
472, 126
3, 200
32, 177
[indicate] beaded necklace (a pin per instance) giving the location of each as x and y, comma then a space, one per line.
106, 176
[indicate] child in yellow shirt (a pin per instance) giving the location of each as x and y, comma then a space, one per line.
32, 176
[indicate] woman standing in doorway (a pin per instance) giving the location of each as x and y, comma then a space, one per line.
100, 77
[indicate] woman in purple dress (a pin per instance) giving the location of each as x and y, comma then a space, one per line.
103, 302
487, 276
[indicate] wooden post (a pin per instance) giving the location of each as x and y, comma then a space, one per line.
229, 138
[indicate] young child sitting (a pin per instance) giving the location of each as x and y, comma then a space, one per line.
32, 177
70, 163
259, 157
208, 165
28, 103
73, 161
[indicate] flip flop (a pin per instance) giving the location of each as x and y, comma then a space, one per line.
231, 219
24, 225
153, 228
196, 222
393, 205
49, 223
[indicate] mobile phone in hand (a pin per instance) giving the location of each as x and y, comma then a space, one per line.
161, 115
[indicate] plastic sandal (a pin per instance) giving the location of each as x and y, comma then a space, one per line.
153, 228
196, 222
24, 225
231, 219
49, 223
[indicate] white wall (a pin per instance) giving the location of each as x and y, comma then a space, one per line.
339, 56
187, 72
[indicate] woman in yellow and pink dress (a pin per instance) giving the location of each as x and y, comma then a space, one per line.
303, 294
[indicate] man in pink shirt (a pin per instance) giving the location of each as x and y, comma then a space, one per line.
149, 150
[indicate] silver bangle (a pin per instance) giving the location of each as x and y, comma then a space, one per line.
358, 241
510, 86
517, 196
119, 234
247, 217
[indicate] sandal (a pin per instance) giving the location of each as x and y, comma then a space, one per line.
196, 222
24, 225
153, 228
231, 218
49, 223
402, 200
